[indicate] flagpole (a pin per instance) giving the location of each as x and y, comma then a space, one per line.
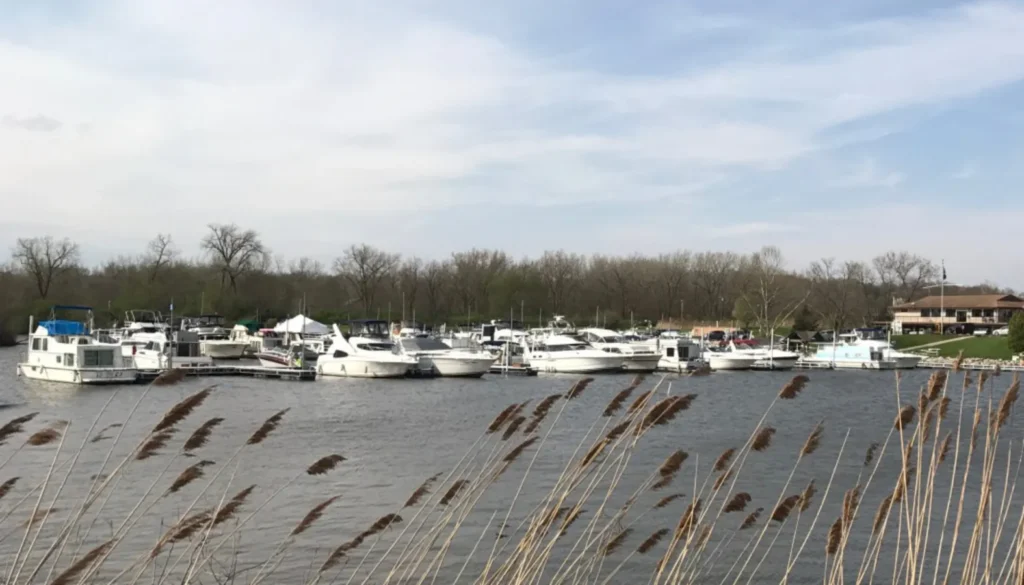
942, 300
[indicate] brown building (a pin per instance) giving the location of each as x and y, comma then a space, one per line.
966, 313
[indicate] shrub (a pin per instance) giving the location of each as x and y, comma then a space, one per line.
1016, 339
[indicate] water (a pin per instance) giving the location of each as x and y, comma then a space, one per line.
396, 433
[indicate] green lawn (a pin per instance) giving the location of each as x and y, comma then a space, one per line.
904, 341
978, 347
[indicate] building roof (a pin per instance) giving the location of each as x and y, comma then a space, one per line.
965, 302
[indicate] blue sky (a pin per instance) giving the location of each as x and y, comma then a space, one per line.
830, 129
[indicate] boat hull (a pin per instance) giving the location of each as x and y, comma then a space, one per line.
853, 364
720, 363
452, 367
577, 365
78, 375
352, 367
223, 350
641, 363
785, 363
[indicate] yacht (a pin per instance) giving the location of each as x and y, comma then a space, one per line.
567, 355
848, 356
876, 338
434, 355
679, 355
214, 339
719, 359
164, 350
766, 358
287, 356
367, 353
636, 357
64, 351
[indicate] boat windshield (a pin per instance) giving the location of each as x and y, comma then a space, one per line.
614, 339
376, 346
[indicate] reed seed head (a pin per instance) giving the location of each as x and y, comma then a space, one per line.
835, 537
169, 377
667, 500
751, 519
639, 402
722, 479
570, 520
339, 553
944, 450
201, 435
882, 514
794, 387
870, 455
652, 541
616, 542
723, 460
813, 440
513, 427
15, 426
786, 506
688, 521
154, 443
313, 515
578, 388
454, 491
807, 496
325, 464
47, 436
182, 409
421, 491
7, 486
101, 436
267, 427
518, 450
72, 573
617, 401
936, 385
231, 508
189, 475
905, 417
1006, 403
738, 503
500, 419
763, 439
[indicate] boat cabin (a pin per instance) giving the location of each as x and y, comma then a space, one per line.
65, 351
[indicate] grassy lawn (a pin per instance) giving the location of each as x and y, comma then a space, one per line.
903, 341
978, 347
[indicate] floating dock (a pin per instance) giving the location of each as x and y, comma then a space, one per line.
294, 374
512, 370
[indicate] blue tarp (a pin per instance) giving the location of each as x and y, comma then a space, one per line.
62, 327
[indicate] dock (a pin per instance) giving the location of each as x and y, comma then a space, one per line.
263, 372
512, 370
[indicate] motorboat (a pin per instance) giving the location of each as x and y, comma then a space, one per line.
767, 358
214, 339
65, 351
283, 356
568, 355
720, 359
166, 350
639, 357
877, 338
367, 352
679, 355
434, 356
848, 356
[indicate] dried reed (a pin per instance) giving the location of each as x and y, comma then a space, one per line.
669, 468
785, 507
688, 520
722, 479
169, 377
454, 491
7, 486
190, 474
617, 401
616, 542
325, 464
201, 436
154, 443
578, 388
936, 384
723, 460
667, 500
182, 409
266, 428
15, 426
807, 496
513, 427
638, 402
905, 417
101, 436
763, 439
870, 455
738, 503
231, 508
652, 541
794, 387
313, 515
50, 434
421, 491
500, 419
813, 440
751, 519
72, 573
518, 450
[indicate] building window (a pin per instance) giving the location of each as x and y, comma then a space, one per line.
990, 312
951, 312
975, 312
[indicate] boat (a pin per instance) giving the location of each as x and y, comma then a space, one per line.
720, 359
567, 355
367, 352
432, 355
283, 357
848, 356
679, 355
639, 357
65, 351
166, 350
877, 338
214, 339
767, 358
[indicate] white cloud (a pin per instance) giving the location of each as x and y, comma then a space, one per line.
866, 175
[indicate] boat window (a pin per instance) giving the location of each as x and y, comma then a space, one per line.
83, 341
340, 354
376, 346
69, 359
670, 352
46, 344
37, 343
612, 350
58, 359
98, 357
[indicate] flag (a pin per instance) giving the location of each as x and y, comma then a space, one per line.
943, 272
172, 304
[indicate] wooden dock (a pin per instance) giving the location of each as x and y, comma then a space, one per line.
293, 374
512, 370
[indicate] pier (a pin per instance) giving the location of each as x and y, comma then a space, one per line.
292, 374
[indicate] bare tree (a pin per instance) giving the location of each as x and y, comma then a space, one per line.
159, 253
305, 268
904, 275
561, 273
365, 268
44, 259
436, 277
408, 281
475, 273
234, 252
836, 291
712, 276
671, 274
769, 295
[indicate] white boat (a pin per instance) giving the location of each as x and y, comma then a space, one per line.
876, 338
367, 353
723, 360
679, 355
282, 357
848, 356
161, 351
214, 339
639, 357
433, 355
64, 351
568, 355
766, 358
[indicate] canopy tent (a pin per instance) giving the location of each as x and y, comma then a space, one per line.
303, 325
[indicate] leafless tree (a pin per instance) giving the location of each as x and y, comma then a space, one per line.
306, 268
408, 281
561, 273
44, 259
837, 291
234, 251
671, 274
712, 276
436, 277
159, 253
769, 294
365, 268
904, 275
475, 273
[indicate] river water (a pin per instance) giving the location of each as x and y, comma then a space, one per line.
396, 433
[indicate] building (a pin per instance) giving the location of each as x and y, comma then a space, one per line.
955, 313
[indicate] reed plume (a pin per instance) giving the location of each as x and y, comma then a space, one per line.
936, 384
593, 453
905, 417
518, 450
738, 503
882, 513
944, 407
512, 427
721, 479
231, 508
153, 445
48, 435
1002, 414
39, 516
667, 500
454, 491
190, 474
421, 491
670, 468
639, 402
325, 464
664, 411
100, 436
382, 524
616, 542
7, 486
616, 403
72, 573
181, 410
15, 426
499, 420
785, 507
723, 460
183, 530
267, 427
851, 501
652, 541
617, 430
835, 537
958, 363
340, 553
870, 455
570, 520
794, 387
540, 412
944, 450
813, 440
169, 377
688, 520
751, 519
313, 516
578, 388
201, 435
807, 496
763, 439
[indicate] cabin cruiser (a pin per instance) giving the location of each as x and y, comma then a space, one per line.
214, 339
636, 357
680, 355
767, 358
848, 356
719, 359
287, 356
161, 351
433, 355
367, 352
876, 338
568, 355
64, 351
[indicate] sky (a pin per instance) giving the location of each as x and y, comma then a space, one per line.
830, 129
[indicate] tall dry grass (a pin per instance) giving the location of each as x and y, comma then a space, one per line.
945, 513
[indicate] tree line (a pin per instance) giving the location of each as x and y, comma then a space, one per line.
238, 276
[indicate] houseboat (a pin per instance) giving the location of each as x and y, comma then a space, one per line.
65, 351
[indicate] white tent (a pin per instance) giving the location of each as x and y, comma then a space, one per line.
303, 325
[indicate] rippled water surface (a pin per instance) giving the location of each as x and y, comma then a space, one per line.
395, 434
